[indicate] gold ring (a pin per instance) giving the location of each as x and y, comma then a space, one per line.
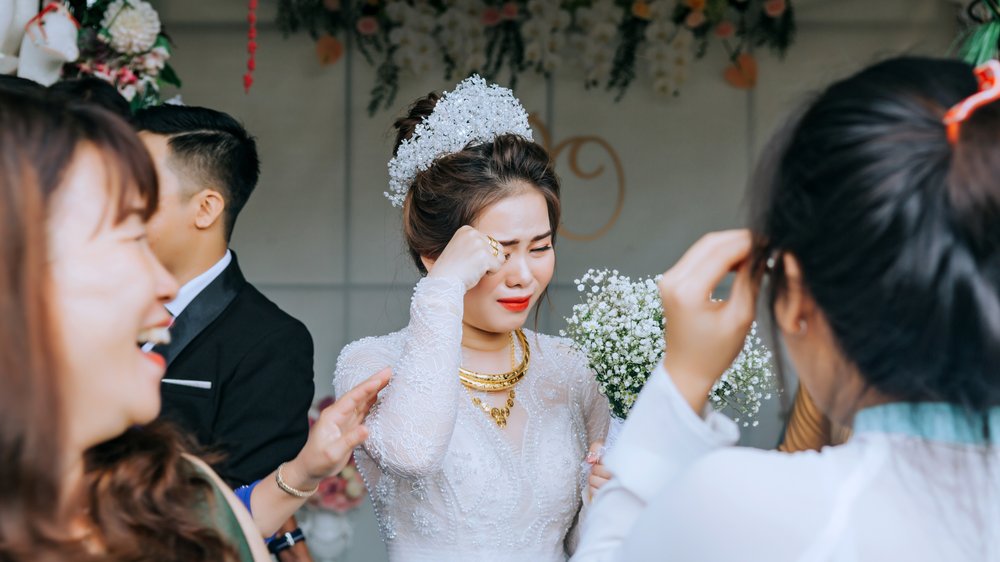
495, 246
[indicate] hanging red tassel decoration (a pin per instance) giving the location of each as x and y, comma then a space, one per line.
251, 46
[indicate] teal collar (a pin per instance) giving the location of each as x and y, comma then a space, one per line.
934, 421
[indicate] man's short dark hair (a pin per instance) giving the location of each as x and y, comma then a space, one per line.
18, 85
96, 91
210, 148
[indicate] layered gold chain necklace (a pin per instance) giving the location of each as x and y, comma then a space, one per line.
503, 381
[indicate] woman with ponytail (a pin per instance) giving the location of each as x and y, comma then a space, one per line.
877, 231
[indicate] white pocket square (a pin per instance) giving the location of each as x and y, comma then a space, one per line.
207, 385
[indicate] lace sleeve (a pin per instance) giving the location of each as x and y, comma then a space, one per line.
411, 424
596, 412
596, 419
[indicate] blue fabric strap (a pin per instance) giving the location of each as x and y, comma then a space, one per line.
934, 421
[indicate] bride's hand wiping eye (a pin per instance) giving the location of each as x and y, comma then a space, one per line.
469, 256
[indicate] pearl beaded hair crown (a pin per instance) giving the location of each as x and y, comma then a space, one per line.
473, 113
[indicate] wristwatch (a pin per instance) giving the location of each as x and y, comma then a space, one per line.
286, 541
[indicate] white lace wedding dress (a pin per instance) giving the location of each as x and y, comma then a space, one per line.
447, 483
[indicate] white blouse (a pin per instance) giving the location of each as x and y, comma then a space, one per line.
447, 484
903, 488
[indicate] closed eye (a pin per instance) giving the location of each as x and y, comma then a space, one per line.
541, 249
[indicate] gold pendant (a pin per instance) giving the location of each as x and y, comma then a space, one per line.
499, 415
487, 383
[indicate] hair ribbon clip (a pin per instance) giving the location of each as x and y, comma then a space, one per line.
988, 75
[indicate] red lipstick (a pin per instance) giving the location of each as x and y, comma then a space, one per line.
515, 305
156, 358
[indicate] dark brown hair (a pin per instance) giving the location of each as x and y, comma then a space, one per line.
897, 232
143, 497
459, 186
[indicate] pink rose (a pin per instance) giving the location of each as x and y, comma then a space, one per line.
509, 10
725, 29
695, 19
126, 76
774, 8
339, 494
367, 25
491, 17
324, 403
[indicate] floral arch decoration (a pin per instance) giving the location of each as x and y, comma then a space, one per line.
610, 42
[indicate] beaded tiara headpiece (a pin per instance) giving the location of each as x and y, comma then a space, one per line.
473, 113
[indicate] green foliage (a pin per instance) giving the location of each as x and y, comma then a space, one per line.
981, 42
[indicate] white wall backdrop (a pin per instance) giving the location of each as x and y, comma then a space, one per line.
319, 238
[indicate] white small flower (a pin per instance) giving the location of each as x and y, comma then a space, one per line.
619, 327
152, 64
128, 92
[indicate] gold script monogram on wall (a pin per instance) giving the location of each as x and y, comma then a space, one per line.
574, 144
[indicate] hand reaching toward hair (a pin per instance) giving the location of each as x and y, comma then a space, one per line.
468, 256
703, 335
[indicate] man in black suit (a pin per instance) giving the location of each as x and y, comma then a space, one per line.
239, 369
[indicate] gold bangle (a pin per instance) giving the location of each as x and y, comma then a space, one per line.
290, 490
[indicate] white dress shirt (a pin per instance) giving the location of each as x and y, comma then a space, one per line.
682, 492
193, 288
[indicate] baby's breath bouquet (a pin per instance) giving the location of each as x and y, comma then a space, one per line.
619, 327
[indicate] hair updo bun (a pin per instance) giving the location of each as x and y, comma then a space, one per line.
420, 110
459, 186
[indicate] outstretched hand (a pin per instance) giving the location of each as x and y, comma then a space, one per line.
339, 429
331, 442
704, 335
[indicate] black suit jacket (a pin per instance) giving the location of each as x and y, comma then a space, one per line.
259, 361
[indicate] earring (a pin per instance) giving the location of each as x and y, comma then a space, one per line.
772, 260
803, 327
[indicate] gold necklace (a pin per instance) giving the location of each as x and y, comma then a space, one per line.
476, 381
484, 382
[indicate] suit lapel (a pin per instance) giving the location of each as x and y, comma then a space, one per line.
203, 310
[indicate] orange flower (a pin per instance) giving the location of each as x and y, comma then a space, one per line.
695, 19
509, 11
367, 25
329, 49
725, 29
696, 5
742, 72
640, 9
774, 8
491, 16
